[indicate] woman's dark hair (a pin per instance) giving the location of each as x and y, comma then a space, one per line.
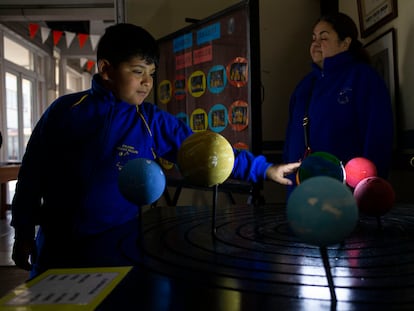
123, 41
346, 27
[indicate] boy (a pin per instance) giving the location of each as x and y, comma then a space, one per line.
68, 179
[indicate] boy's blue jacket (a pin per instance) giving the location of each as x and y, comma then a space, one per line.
350, 113
68, 178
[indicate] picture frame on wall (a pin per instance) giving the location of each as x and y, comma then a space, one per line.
373, 14
382, 51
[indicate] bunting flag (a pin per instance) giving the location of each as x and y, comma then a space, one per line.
89, 65
83, 61
33, 28
94, 40
69, 38
45, 33
82, 37
57, 34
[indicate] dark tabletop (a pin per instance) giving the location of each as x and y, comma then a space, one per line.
254, 262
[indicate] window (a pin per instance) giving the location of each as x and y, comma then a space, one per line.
24, 89
73, 80
23, 85
12, 117
30, 80
18, 54
19, 101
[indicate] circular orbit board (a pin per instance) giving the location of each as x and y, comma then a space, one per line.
254, 253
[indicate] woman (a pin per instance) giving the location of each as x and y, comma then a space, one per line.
344, 101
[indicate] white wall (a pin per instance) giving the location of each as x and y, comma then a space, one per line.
162, 17
404, 26
286, 32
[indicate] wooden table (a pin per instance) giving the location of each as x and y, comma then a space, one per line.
8, 172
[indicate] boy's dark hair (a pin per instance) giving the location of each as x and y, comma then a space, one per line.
123, 41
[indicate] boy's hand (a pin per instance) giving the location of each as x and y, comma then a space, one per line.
277, 172
22, 251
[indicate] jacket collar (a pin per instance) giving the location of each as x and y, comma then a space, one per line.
333, 64
99, 90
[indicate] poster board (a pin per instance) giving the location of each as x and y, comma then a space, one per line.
209, 76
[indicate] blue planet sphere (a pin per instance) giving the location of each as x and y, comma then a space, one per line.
141, 181
322, 211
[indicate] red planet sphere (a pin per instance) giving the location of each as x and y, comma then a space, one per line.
374, 196
357, 169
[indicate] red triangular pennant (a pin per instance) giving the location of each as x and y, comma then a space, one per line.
82, 39
57, 34
89, 65
33, 28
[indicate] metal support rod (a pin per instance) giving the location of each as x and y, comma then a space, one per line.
215, 199
327, 266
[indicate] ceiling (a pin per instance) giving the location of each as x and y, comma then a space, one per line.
86, 16
77, 16
70, 14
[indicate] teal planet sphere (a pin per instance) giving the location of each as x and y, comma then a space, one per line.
322, 211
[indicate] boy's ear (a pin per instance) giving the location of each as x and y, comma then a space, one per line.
347, 41
103, 68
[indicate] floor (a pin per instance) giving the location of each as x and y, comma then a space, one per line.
10, 275
7, 232
6, 241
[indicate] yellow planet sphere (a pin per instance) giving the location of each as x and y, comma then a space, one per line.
205, 159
